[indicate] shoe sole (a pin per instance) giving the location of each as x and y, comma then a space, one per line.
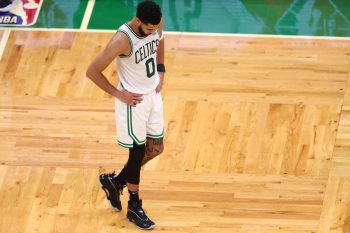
149, 228
106, 192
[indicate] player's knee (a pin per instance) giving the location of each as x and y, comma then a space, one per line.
159, 151
154, 147
134, 163
156, 150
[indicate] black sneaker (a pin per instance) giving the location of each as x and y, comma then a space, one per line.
138, 216
113, 189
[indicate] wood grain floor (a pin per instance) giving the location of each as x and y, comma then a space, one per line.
257, 136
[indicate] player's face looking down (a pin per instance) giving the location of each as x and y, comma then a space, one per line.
147, 29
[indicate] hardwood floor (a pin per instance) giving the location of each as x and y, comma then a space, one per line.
257, 136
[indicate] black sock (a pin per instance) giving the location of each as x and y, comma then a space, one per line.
120, 178
134, 196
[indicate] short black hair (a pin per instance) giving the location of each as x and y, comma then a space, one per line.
149, 12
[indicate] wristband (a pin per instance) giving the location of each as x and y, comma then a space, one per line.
160, 68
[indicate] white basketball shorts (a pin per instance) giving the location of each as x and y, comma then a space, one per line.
145, 120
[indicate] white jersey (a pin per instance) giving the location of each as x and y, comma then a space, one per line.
138, 70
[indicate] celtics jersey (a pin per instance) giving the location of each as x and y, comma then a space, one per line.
137, 71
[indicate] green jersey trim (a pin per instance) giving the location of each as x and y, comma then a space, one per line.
140, 37
130, 42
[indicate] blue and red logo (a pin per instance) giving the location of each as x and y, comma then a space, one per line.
19, 12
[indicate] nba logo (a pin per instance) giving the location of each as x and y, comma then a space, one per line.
19, 12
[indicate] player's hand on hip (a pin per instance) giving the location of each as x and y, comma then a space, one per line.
161, 82
130, 98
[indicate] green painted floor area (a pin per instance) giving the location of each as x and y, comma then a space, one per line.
275, 17
110, 14
61, 14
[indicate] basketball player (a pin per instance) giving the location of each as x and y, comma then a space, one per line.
138, 47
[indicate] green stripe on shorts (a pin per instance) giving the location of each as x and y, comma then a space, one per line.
125, 144
156, 136
130, 131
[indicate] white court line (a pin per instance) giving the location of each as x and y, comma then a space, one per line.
255, 35
191, 33
4, 39
87, 15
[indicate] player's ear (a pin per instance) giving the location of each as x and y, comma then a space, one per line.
138, 21
161, 24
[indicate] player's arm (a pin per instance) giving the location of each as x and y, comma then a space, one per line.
160, 50
160, 58
118, 45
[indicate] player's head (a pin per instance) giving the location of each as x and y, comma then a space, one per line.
149, 16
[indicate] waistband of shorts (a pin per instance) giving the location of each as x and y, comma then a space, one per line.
121, 87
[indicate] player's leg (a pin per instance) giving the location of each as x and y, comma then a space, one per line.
131, 129
155, 129
135, 212
137, 117
154, 147
112, 183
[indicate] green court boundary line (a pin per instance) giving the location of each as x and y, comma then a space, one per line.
190, 33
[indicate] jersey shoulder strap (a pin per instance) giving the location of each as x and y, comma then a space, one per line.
126, 31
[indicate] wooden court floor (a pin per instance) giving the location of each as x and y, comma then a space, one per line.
257, 136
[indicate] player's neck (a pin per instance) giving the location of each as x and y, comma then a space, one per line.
134, 26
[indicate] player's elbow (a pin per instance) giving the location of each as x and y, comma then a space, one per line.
90, 72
